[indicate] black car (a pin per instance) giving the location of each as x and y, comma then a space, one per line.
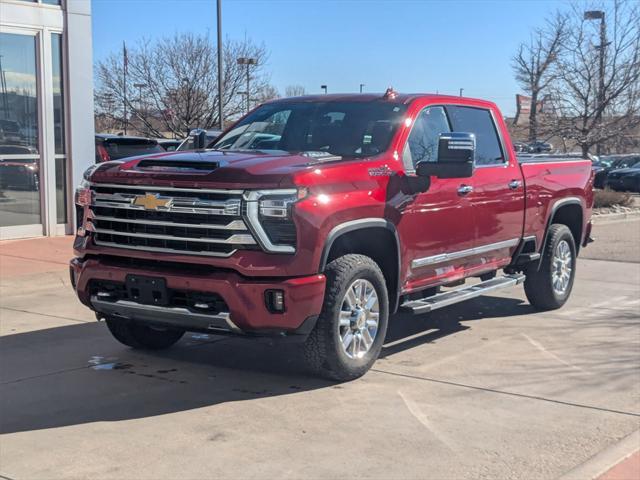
115, 147
539, 147
168, 144
609, 163
625, 179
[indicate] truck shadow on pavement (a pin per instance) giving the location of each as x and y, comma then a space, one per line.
78, 374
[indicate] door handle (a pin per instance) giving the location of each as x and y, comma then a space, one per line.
514, 184
465, 189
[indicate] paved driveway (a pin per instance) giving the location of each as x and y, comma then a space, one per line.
486, 389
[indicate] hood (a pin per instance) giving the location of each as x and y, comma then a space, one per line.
212, 169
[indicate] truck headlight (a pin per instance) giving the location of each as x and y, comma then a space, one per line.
268, 213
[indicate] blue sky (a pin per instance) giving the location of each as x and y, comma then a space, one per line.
414, 45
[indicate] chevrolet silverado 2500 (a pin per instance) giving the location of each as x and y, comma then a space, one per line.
316, 218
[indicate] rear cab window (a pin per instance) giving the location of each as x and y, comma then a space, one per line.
479, 121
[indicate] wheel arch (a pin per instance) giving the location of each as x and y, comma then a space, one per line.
355, 237
570, 212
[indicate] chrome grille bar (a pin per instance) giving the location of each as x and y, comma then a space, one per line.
156, 188
236, 239
234, 210
233, 225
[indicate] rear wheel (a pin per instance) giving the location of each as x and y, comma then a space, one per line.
549, 286
141, 336
349, 333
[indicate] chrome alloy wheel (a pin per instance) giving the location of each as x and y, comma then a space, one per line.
561, 268
359, 316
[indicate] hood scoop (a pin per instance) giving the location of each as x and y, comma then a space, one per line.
177, 166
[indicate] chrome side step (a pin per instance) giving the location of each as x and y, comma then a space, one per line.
445, 299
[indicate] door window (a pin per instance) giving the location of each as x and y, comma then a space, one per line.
422, 145
479, 122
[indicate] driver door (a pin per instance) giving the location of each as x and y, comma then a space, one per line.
437, 220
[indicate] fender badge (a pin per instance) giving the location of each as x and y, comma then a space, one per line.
380, 172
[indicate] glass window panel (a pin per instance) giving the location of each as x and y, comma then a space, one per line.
51, 2
61, 190
19, 176
58, 92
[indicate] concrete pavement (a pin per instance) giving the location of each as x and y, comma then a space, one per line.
486, 389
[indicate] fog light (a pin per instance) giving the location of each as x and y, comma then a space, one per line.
274, 300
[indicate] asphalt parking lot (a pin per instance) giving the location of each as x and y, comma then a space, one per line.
487, 389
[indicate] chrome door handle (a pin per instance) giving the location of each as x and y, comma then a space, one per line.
465, 189
513, 184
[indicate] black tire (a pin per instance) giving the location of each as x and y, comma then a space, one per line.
323, 348
539, 284
141, 336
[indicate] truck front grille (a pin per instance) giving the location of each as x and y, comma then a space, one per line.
169, 219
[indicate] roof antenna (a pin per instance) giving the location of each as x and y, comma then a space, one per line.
390, 94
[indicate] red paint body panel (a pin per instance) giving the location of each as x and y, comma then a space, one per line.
428, 222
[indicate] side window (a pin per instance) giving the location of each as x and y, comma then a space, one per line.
478, 121
422, 145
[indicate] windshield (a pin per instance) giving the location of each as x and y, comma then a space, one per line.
352, 129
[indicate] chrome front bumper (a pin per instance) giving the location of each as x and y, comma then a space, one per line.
176, 317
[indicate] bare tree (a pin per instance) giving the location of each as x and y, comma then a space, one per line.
294, 91
533, 64
589, 109
171, 84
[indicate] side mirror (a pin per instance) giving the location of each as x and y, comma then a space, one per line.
456, 154
199, 139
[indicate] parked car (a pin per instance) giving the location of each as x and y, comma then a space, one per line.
116, 147
10, 132
169, 145
364, 205
198, 139
625, 179
520, 147
539, 147
19, 173
611, 163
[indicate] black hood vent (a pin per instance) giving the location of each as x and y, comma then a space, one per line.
177, 166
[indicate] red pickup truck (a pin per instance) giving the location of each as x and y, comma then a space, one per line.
316, 218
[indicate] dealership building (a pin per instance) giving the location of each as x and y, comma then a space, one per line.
46, 113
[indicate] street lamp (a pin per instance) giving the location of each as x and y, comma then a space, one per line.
248, 61
361, 87
324, 87
599, 15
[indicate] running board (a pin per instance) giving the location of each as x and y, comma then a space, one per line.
445, 299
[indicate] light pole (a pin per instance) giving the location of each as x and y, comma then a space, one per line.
461, 90
220, 65
599, 15
324, 87
248, 61
361, 87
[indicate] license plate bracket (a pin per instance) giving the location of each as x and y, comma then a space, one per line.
147, 290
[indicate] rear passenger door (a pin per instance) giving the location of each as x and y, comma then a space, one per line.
497, 199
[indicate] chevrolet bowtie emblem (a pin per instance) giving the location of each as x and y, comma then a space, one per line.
151, 201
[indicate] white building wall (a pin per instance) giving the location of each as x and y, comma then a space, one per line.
80, 88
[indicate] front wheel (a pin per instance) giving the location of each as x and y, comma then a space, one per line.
350, 331
549, 286
141, 336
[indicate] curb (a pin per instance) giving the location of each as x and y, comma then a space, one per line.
607, 217
603, 461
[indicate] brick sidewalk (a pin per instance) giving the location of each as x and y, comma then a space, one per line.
628, 469
37, 255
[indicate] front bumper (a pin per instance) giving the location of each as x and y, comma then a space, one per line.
244, 297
